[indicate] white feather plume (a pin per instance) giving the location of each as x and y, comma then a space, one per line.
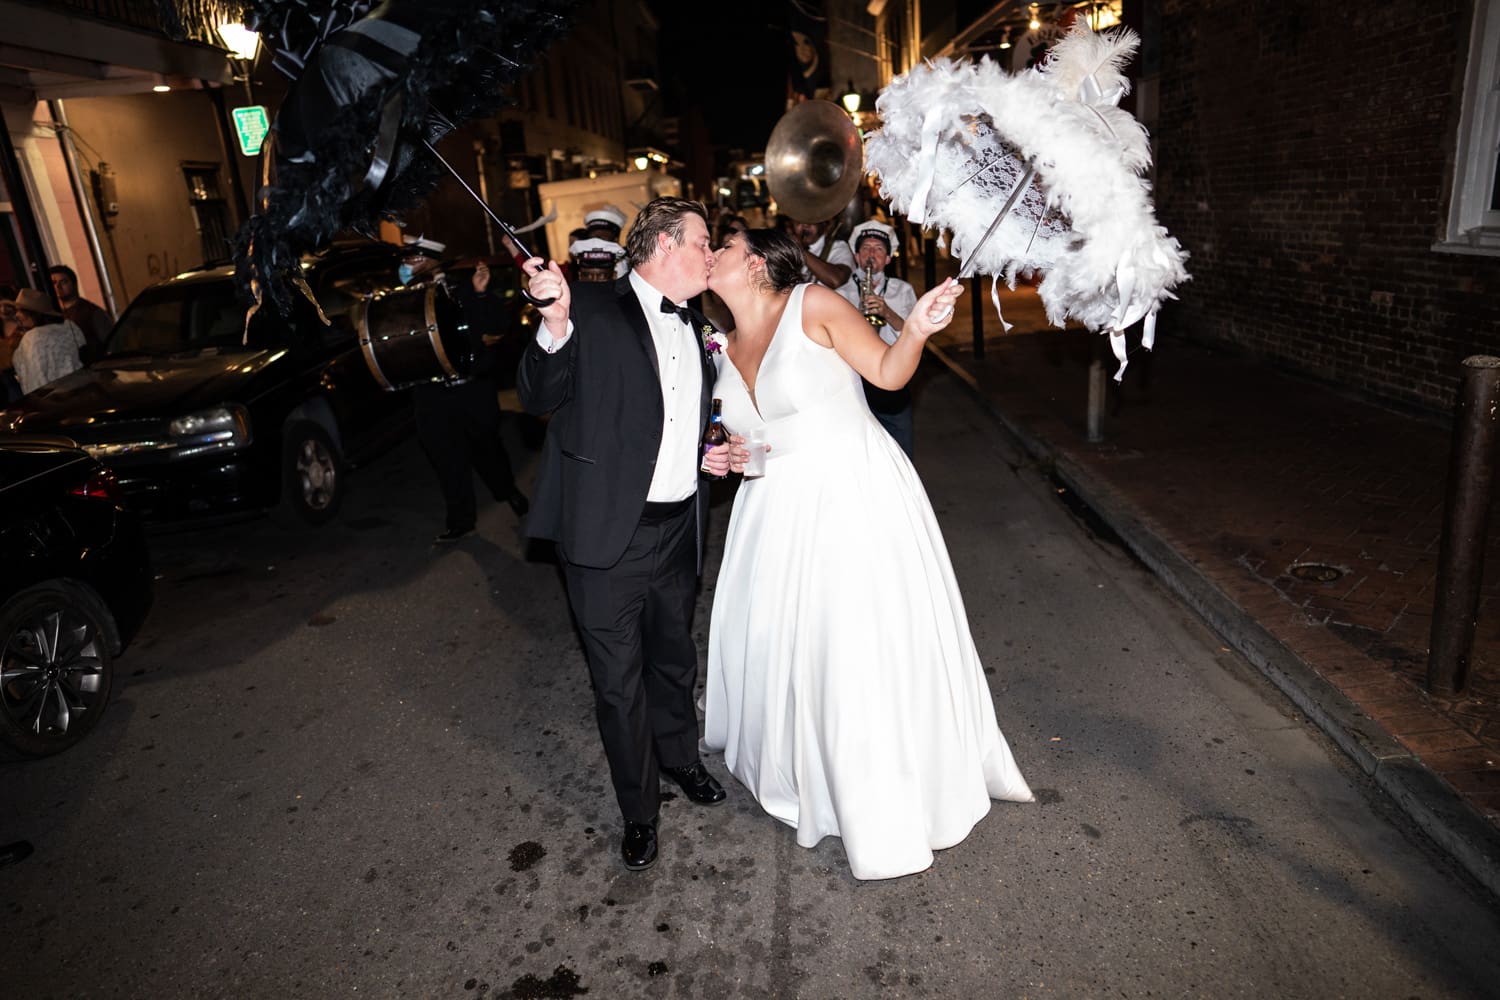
957, 136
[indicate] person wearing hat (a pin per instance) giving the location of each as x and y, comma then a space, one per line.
598, 260
458, 422
49, 343
888, 301
605, 223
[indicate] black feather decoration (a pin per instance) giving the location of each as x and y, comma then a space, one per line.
422, 66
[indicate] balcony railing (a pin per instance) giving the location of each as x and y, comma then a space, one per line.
145, 15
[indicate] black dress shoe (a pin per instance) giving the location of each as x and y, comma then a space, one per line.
638, 847
518, 503
696, 783
452, 535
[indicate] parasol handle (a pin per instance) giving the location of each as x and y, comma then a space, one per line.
521, 254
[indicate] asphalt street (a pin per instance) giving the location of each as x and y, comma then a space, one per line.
343, 762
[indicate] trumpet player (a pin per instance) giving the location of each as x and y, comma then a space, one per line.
886, 302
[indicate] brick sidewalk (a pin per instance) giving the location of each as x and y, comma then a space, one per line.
1316, 513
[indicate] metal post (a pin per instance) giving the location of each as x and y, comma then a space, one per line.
976, 312
1471, 469
231, 153
909, 243
1098, 391
484, 192
84, 195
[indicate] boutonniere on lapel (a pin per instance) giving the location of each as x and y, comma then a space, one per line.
714, 342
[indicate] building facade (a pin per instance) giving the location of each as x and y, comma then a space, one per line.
121, 159
114, 160
1334, 174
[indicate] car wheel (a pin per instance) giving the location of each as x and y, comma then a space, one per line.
312, 473
56, 667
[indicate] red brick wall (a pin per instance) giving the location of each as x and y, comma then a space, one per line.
1304, 156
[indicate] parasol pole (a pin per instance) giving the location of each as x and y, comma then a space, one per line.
973, 262
521, 253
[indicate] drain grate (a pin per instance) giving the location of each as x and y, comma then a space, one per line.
1316, 572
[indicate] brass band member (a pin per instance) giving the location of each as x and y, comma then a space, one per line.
886, 302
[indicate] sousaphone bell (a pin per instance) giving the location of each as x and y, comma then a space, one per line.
814, 161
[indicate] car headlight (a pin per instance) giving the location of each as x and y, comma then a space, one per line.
219, 428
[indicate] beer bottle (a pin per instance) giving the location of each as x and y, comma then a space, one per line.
714, 435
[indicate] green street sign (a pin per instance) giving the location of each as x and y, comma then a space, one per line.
251, 124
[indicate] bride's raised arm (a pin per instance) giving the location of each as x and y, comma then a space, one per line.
831, 321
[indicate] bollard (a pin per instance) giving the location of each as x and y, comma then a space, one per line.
1098, 392
976, 313
1465, 510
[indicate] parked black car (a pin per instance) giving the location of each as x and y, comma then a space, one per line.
199, 416
75, 588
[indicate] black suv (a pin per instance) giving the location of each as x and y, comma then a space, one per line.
199, 416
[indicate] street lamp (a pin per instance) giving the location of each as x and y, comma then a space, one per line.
851, 99
242, 44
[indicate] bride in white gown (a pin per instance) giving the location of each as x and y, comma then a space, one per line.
843, 685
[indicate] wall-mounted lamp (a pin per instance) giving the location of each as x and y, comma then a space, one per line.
850, 99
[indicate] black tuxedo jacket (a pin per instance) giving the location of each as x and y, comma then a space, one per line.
604, 393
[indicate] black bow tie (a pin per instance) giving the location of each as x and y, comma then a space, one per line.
683, 312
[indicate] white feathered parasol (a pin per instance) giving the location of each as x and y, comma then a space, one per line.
1039, 171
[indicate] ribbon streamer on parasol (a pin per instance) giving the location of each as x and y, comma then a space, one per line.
1036, 172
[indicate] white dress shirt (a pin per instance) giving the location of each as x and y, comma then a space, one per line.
47, 353
677, 347
898, 294
677, 360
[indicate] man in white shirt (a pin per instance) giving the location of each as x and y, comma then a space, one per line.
886, 303
623, 370
50, 344
827, 261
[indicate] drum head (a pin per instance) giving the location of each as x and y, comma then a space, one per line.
413, 335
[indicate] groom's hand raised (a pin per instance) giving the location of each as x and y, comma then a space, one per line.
547, 282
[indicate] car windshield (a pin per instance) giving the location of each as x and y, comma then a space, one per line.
189, 316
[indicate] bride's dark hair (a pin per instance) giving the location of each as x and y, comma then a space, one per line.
782, 254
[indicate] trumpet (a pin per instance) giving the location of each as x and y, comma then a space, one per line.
866, 284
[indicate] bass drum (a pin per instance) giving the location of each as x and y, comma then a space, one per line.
414, 335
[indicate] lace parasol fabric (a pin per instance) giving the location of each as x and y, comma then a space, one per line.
959, 137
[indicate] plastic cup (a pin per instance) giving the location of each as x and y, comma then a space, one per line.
755, 465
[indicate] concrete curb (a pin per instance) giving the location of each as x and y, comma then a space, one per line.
1456, 826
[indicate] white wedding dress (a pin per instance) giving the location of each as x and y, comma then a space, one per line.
843, 686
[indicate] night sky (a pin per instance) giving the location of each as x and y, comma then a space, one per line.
728, 59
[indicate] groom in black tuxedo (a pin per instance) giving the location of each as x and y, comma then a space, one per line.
623, 371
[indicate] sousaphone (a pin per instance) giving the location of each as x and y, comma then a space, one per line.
814, 161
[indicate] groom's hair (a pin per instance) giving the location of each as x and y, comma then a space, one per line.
663, 215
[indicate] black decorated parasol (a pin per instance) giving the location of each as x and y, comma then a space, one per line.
374, 88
